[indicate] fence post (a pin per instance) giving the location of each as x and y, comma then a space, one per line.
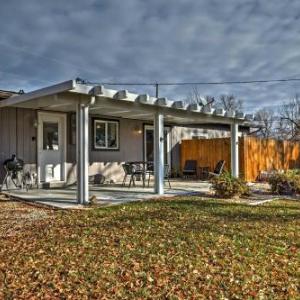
234, 150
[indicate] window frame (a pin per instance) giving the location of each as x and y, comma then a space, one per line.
106, 122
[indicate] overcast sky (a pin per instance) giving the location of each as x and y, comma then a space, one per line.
44, 42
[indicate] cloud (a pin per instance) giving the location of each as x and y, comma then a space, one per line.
147, 41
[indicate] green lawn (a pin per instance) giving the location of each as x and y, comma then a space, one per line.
184, 248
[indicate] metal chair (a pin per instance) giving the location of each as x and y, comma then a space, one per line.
218, 169
132, 171
190, 168
167, 174
150, 172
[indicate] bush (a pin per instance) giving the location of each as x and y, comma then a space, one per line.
287, 183
227, 186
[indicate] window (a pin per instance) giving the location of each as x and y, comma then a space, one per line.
50, 136
106, 134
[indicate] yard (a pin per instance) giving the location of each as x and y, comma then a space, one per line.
181, 248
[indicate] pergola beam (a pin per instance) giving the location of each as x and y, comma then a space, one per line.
109, 96
192, 113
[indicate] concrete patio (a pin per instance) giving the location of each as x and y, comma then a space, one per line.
106, 195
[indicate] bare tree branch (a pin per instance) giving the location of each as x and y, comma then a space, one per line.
289, 114
265, 118
195, 96
229, 102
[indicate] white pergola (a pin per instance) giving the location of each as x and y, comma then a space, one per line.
84, 99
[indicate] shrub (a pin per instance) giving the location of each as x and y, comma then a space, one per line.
285, 183
227, 186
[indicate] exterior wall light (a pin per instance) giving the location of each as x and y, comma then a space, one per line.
35, 123
137, 129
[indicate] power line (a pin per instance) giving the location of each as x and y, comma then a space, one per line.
194, 83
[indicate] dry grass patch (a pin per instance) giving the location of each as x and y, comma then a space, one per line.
185, 248
16, 217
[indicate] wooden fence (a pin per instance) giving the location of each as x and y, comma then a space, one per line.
255, 155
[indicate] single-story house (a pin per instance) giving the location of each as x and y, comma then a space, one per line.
72, 130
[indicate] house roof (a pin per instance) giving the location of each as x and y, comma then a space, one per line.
121, 103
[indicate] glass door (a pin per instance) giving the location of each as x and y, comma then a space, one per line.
51, 146
149, 144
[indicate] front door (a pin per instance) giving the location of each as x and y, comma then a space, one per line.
149, 144
51, 146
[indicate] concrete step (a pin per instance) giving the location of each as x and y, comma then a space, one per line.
52, 185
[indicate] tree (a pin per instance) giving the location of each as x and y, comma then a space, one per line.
289, 113
194, 96
266, 121
284, 124
229, 102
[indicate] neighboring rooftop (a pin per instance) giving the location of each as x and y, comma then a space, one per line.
6, 94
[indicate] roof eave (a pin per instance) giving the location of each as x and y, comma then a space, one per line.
50, 90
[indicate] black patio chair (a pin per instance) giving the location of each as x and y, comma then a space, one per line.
190, 168
132, 170
167, 174
217, 171
150, 172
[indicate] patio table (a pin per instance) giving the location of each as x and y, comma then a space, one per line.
141, 166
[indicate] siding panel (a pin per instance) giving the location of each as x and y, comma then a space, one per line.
16, 133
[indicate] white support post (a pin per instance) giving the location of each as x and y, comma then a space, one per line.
234, 150
159, 152
82, 153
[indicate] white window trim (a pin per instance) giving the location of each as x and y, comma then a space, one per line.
106, 122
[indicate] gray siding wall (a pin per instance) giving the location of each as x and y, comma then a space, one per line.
109, 163
17, 136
